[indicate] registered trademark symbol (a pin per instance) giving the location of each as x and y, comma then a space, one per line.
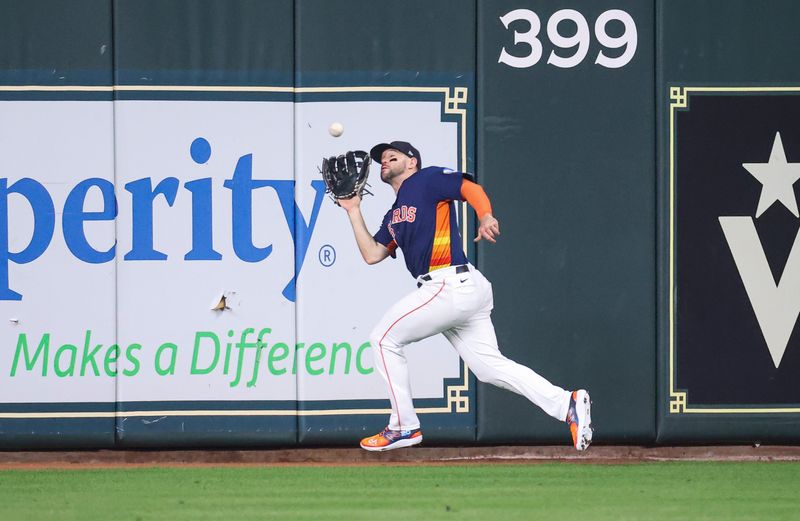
327, 255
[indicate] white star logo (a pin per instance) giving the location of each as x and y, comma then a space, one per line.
777, 178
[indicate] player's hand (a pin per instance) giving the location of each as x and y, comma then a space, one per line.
489, 228
350, 204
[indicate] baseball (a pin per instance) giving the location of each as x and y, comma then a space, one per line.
336, 129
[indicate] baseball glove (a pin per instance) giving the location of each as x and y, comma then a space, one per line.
345, 176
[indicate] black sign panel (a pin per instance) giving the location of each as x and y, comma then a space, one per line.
737, 268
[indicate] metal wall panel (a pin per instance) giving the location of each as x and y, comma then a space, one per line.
565, 140
727, 99
57, 168
385, 78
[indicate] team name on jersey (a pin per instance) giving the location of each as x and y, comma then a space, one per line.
404, 214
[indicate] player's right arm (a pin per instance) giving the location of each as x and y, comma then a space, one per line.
488, 226
372, 251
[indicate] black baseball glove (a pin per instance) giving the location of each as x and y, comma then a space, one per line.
345, 176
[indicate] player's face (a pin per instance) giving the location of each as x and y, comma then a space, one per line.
393, 164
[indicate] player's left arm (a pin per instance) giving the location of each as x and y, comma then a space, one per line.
488, 227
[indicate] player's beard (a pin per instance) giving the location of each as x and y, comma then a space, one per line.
387, 175
395, 169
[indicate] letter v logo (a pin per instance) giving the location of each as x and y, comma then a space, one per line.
776, 305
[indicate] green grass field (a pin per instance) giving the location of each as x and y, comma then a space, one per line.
671, 491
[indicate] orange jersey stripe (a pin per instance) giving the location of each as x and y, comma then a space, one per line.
440, 254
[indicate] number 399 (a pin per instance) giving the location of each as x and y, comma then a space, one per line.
579, 41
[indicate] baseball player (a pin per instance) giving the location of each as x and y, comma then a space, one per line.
452, 297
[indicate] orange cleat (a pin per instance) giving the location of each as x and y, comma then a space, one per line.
388, 439
579, 419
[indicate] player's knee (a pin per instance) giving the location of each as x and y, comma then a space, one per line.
378, 339
484, 375
375, 338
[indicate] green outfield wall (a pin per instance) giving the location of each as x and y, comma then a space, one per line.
173, 275
568, 150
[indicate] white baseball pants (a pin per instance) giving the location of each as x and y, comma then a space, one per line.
457, 305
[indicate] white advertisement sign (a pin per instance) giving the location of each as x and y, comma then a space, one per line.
163, 251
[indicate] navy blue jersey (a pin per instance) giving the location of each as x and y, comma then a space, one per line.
422, 221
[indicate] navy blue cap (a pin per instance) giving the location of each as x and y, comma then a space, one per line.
401, 146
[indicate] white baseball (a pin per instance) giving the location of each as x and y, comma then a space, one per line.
336, 129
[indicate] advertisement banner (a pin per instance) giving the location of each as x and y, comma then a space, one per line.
173, 253
734, 265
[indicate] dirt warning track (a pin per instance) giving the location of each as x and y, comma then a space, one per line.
412, 456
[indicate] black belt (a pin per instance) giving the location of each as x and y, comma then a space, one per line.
461, 268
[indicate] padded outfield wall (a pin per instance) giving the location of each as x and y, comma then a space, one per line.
173, 274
